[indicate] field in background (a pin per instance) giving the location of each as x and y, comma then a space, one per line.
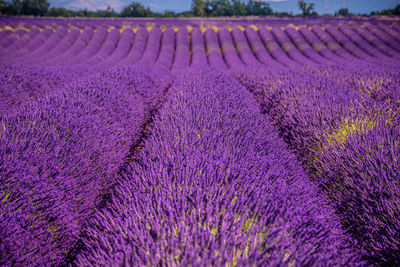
199, 142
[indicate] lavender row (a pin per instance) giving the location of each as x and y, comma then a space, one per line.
259, 50
182, 51
120, 22
346, 141
21, 85
59, 157
137, 49
214, 54
377, 82
213, 184
16, 46
43, 48
12, 38
198, 48
167, 50
292, 48
376, 42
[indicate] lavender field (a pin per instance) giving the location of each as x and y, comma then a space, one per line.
235, 142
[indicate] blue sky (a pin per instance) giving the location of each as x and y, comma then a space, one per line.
321, 6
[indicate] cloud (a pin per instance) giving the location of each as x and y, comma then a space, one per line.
94, 4
154, 6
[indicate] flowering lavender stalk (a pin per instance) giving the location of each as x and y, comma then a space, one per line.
8, 39
121, 50
5, 38
334, 130
289, 48
348, 44
377, 43
78, 46
167, 50
47, 46
152, 49
320, 47
34, 44
92, 47
361, 43
304, 47
59, 157
228, 49
59, 48
199, 56
275, 50
22, 42
15, 39
21, 85
242, 47
106, 48
259, 50
214, 54
333, 45
390, 31
383, 36
182, 51
207, 189
137, 49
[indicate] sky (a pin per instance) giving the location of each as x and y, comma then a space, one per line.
321, 6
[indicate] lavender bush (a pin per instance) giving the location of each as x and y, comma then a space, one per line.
233, 142
214, 190
59, 158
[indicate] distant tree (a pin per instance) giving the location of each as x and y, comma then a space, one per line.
35, 7
283, 14
258, 8
61, 12
239, 8
343, 12
107, 13
135, 10
168, 14
3, 7
184, 14
396, 10
307, 8
11, 8
205, 8
389, 12
199, 8
220, 8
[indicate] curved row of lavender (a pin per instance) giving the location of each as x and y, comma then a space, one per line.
87, 177
60, 156
294, 48
346, 135
214, 184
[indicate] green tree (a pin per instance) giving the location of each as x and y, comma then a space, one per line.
168, 14
343, 12
307, 8
220, 8
258, 8
135, 10
12, 8
3, 7
107, 13
35, 7
199, 8
238, 8
60, 12
389, 12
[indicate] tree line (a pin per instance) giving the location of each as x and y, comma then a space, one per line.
199, 8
